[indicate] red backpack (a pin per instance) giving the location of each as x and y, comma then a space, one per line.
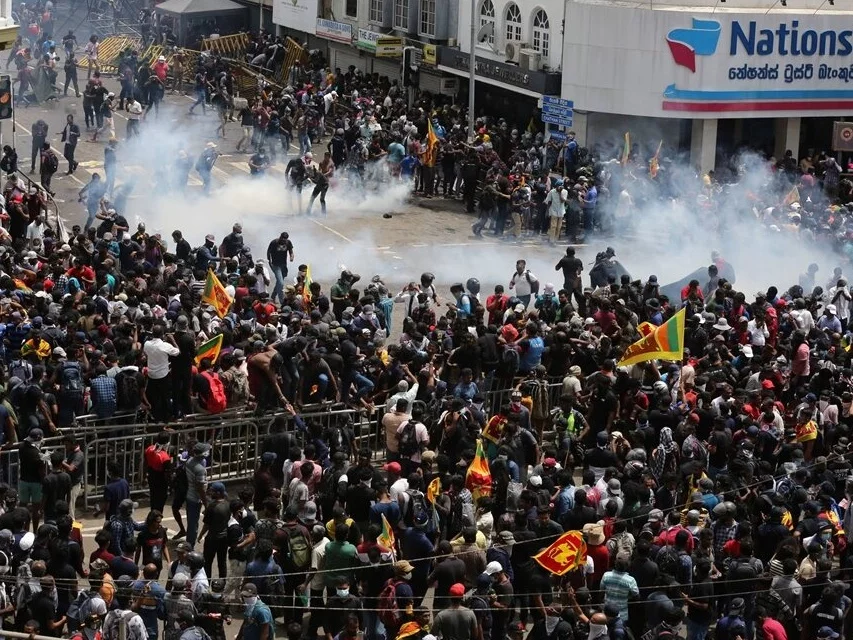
217, 401
389, 612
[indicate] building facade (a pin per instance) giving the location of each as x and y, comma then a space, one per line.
710, 78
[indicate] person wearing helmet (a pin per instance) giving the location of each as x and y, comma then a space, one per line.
473, 287
339, 292
428, 288
175, 603
198, 576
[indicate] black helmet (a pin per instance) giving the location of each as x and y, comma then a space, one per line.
195, 561
427, 278
473, 285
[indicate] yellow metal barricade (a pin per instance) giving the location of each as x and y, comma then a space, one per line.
233, 46
109, 51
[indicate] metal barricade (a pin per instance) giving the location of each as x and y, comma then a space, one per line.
235, 448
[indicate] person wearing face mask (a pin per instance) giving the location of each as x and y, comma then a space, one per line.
241, 535
122, 622
258, 623
91, 628
339, 606
205, 255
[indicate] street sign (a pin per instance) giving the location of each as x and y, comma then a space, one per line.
558, 120
557, 102
557, 111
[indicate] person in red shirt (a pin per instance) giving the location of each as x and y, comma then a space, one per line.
161, 68
496, 305
263, 308
694, 288
772, 629
83, 272
606, 319
158, 463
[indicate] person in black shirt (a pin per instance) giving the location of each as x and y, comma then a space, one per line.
181, 366
232, 243
360, 497
43, 608
124, 564
182, 247
296, 176
278, 253
259, 163
215, 528
55, 486
151, 542
572, 267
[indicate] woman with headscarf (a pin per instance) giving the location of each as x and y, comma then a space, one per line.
665, 455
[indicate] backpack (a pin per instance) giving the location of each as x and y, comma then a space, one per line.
389, 612
669, 560
71, 380
408, 439
740, 573
533, 282
51, 162
79, 610
511, 361
128, 397
417, 510
483, 611
775, 604
298, 553
21, 369
123, 619
217, 402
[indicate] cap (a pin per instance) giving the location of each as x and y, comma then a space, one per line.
183, 545
535, 481
268, 457
736, 606
35, 435
602, 438
457, 590
614, 486
217, 487
200, 448
655, 515
393, 467
403, 567
826, 632
249, 589
494, 567
507, 537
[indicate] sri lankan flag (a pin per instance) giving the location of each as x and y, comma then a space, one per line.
654, 163
209, 350
645, 328
433, 490
666, 342
431, 152
215, 295
479, 479
306, 286
626, 150
386, 537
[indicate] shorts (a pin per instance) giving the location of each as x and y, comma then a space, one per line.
29, 492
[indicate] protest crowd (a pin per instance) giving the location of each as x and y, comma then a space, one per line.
605, 457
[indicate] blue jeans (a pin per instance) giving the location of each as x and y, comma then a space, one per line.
280, 273
525, 300
199, 100
696, 631
193, 516
304, 144
91, 211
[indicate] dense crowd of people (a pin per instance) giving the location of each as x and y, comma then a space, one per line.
711, 492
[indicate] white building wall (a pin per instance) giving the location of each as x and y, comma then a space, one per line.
528, 10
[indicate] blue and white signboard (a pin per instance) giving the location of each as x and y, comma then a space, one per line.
557, 111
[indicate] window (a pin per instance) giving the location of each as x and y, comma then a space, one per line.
487, 16
374, 13
401, 15
512, 20
541, 33
351, 8
428, 17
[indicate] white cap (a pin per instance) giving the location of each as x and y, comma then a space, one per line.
493, 567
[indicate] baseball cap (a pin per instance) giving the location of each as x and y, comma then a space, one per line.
655, 515
826, 632
217, 487
393, 467
249, 589
494, 567
200, 448
550, 462
457, 590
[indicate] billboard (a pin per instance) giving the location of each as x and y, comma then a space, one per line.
694, 64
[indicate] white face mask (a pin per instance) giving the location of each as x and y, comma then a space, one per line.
249, 601
342, 593
407, 576
596, 631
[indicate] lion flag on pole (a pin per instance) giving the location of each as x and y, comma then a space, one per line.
479, 478
666, 342
566, 553
209, 350
215, 295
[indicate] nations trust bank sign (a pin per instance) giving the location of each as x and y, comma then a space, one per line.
682, 64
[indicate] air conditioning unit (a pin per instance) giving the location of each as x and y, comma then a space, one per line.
530, 60
512, 51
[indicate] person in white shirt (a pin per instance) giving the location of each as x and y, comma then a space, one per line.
840, 296
523, 282
556, 203
159, 389
134, 113
758, 332
35, 230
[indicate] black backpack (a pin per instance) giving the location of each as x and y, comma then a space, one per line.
51, 162
669, 560
416, 510
72, 379
408, 439
128, 396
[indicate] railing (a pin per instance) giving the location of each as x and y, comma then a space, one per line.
236, 437
53, 219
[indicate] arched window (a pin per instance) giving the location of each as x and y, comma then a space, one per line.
512, 23
487, 16
541, 33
